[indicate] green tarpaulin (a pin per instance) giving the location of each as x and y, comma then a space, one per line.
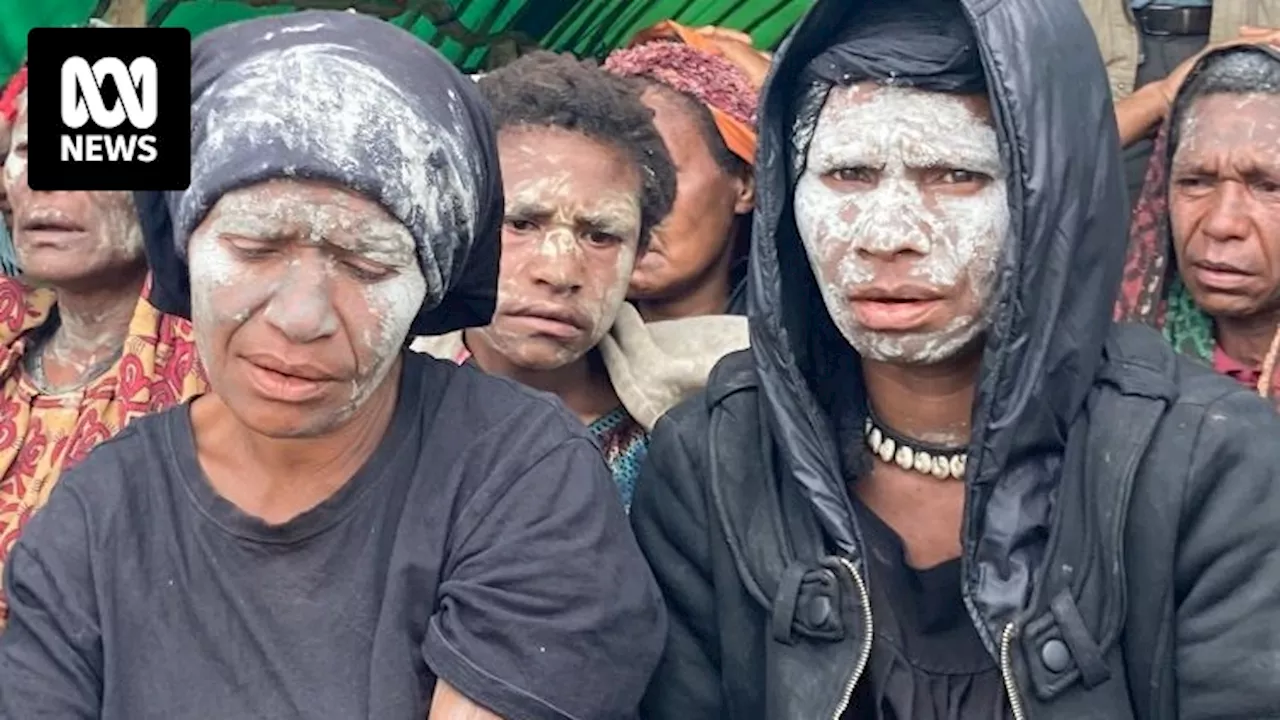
475, 34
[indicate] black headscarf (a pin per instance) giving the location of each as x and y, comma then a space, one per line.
358, 102
923, 44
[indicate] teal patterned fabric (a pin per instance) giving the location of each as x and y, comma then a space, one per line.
625, 444
8, 254
1186, 326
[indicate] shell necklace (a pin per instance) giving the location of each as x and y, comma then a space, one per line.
934, 460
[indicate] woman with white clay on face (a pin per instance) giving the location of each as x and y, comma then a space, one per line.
941, 484
82, 351
340, 528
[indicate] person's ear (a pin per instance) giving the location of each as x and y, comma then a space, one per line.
745, 187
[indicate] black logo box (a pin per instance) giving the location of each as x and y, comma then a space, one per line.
48, 49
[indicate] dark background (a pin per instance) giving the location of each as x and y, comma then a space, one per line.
170, 48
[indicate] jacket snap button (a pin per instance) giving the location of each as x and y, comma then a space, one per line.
1055, 656
819, 612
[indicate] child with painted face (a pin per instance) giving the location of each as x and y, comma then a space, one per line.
586, 178
82, 351
940, 483
340, 528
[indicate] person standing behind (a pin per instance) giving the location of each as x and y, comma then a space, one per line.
1150, 45
704, 106
586, 179
942, 483
82, 351
1206, 270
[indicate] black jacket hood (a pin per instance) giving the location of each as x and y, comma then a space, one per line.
1057, 282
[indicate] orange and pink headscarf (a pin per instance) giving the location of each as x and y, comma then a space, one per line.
684, 60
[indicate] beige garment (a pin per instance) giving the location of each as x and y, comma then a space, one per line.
653, 366
1117, 36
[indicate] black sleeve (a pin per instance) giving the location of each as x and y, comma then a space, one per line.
51, 652
1227, 571
547, 608
669, 516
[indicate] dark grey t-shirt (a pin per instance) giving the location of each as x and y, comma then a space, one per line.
483, 543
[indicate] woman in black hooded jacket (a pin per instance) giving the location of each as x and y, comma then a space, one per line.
1091, 535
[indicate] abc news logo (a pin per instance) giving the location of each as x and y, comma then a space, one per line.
109, 108
82, 86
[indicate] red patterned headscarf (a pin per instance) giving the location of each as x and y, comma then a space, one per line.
12, 91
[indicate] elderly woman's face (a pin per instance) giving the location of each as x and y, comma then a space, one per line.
302, 297
1224, 204
69, 239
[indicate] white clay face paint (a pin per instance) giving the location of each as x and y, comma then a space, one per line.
1228, 126
555, 188
1223, 205
887, 225
110, 218
430, 170
15, 165
313, 287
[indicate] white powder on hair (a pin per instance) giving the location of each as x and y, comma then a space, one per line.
426, 166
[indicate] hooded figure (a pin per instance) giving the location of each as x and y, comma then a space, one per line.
341, 528
1204, 245
1092, 536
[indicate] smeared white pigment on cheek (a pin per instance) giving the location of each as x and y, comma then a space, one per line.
289, 94
395, 303
227, 291
15, 165
84, 340
223, 292
561, 257
950, 238
119, 230
616, 294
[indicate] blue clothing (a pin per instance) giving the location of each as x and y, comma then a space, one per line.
625, 444
8, 254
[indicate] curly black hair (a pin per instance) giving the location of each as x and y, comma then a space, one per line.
544, 89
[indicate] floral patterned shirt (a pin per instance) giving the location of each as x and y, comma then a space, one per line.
41, 435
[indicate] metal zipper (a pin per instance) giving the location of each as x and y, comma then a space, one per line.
1006, 671
868, 627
